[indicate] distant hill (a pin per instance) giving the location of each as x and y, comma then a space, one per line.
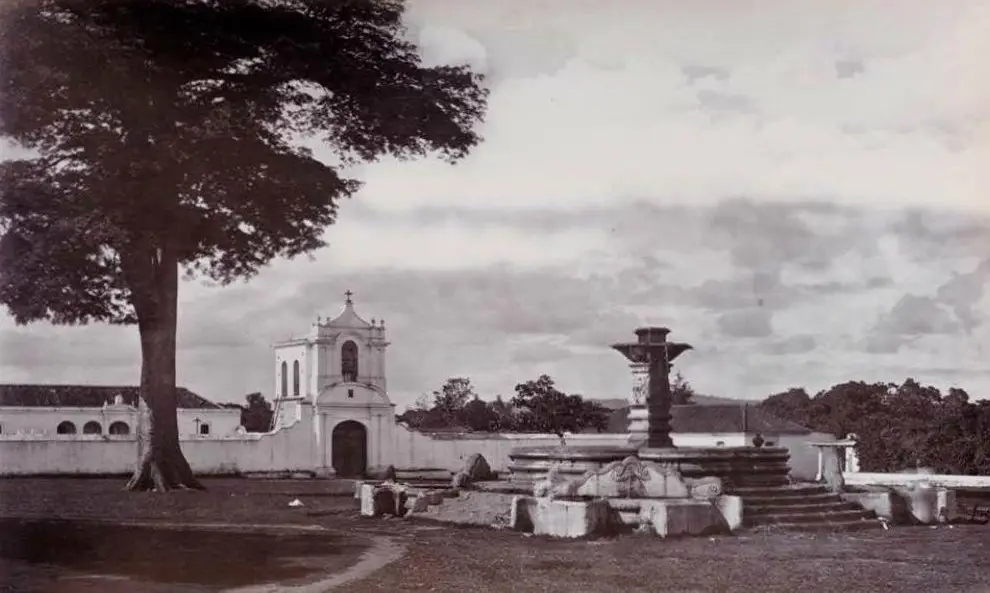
617, 403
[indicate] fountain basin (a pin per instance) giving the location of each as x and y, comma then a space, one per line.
736, 466
528, 465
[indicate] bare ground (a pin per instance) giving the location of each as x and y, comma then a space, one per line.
450, 559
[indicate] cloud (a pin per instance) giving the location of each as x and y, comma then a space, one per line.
747, 323
801, 344
540, 352
802, 200
917, 316
963, 292
594, 106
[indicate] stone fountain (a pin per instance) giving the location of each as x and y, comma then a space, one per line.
649, 480
650, 359
647, 483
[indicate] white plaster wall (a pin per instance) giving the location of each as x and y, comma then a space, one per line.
287, 449
38, 420
706, 439
290, 354
222, 421
305, 445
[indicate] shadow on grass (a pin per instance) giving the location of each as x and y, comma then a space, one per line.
224, 558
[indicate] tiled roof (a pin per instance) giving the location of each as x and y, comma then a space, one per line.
727, 418
87, 396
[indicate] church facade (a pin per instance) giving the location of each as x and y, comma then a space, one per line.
333, 378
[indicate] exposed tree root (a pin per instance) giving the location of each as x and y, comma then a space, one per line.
168, 473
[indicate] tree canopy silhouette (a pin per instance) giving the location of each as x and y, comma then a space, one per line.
897, 427
162, 136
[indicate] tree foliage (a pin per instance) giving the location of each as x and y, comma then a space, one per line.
898, 427
449, 402
681, 390
163, 140
544, 408
537, 407
256, 416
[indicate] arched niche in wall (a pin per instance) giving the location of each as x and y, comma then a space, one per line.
349, 361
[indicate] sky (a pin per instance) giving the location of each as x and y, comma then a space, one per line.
796, 188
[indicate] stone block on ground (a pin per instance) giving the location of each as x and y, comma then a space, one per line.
731, 510
477, 469
570, 518
424, 501
521, 514
384, 499
907, 506
633, 478
673, 517
366, 492
923, 503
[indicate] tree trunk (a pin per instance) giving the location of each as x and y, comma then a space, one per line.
162, 465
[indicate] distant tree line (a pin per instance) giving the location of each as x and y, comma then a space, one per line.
538, 406
898, 427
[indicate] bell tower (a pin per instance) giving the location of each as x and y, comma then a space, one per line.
349, 350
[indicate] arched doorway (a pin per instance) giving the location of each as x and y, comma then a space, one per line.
349, 449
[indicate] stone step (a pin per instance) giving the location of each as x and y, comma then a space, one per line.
808, 517
783, 490
822, 526
754, 481
785, 500
762, 501
799, 506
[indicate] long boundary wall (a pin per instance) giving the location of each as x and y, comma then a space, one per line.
295, 448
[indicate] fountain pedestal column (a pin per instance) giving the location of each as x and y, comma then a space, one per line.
652, 351
639, 417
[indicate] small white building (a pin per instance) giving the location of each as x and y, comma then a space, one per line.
63, 410
336, 373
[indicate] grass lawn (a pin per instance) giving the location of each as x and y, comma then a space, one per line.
446, 559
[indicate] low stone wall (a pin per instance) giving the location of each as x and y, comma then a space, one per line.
907, 479
905, 506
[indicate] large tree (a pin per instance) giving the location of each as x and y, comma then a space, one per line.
544, 408
161, 134
449, 402
257, 415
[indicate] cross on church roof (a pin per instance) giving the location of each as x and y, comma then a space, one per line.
348, 294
